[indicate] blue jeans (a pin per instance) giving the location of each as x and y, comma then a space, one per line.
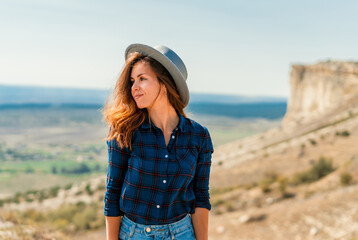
180, 230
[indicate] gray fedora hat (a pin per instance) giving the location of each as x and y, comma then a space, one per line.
170, 60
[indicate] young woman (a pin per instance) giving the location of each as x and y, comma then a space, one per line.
159, 160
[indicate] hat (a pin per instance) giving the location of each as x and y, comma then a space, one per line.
170, 60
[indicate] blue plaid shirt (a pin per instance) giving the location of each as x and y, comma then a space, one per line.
159, 184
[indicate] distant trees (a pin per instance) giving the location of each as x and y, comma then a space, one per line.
21, 153
80, 169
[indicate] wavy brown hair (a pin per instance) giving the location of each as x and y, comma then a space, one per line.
120, 110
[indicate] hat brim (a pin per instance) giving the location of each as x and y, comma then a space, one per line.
167, 63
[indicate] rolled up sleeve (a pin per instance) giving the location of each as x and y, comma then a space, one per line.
202, 173
117, 168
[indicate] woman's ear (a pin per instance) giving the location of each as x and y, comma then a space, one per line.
164, 90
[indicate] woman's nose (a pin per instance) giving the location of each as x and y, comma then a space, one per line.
134, 85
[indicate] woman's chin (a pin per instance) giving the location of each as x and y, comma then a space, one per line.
140, 106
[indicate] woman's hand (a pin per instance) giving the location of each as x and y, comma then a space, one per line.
200, 220
112, 227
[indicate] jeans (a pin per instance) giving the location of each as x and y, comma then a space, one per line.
180, 230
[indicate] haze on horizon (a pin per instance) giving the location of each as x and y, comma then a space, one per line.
229, 47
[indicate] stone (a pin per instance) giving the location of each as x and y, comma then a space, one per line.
320, 89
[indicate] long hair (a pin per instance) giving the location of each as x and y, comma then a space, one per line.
121, 112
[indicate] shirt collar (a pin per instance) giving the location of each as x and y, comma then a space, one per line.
182, 121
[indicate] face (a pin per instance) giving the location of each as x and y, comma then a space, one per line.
145, 85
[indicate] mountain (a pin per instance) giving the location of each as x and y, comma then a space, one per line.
11, 94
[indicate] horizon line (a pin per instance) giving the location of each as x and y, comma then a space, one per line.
105, 89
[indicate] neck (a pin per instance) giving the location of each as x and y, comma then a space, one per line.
164, 117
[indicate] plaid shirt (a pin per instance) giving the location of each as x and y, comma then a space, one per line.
159, 184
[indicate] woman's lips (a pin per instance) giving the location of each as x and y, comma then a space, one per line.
138, 96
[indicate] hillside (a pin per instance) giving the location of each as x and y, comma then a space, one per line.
298, 180
323, 209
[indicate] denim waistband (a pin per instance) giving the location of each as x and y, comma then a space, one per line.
172, 228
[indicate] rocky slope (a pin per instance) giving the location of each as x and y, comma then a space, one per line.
321, 122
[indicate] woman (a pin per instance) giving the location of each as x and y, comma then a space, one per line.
159, 160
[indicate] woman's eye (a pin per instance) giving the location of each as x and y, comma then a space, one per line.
142, 78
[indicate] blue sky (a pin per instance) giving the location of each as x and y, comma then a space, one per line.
230, 47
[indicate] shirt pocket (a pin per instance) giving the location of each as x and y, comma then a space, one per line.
187, 159
134, 168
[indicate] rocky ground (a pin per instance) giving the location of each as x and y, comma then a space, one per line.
323, 209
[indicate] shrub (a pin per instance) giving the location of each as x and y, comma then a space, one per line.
29, 198
313, 142
41, 196
33, 216
84, 216
219, 212
282, 184
265, 185
18, 196
319, 169
346, 178
79, 193
80, 169
101, 187
345, 133
229, 207
54, 191
218, 203
270, 177
88, 189
61, 224
97, 168
54, 170
29, 170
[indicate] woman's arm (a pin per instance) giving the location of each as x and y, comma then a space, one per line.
117, 168
112, 227
200, 220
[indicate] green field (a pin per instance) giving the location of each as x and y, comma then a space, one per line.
42, 148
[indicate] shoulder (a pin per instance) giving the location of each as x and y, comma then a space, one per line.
113, 145
196, 128
201, 134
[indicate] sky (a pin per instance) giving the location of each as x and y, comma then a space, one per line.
229, 47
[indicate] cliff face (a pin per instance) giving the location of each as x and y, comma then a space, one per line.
320, 90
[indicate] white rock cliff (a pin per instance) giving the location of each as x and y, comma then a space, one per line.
320, 90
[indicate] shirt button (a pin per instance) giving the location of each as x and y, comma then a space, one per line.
158, 206
164, 181
148, 229
166, 156
173, 137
